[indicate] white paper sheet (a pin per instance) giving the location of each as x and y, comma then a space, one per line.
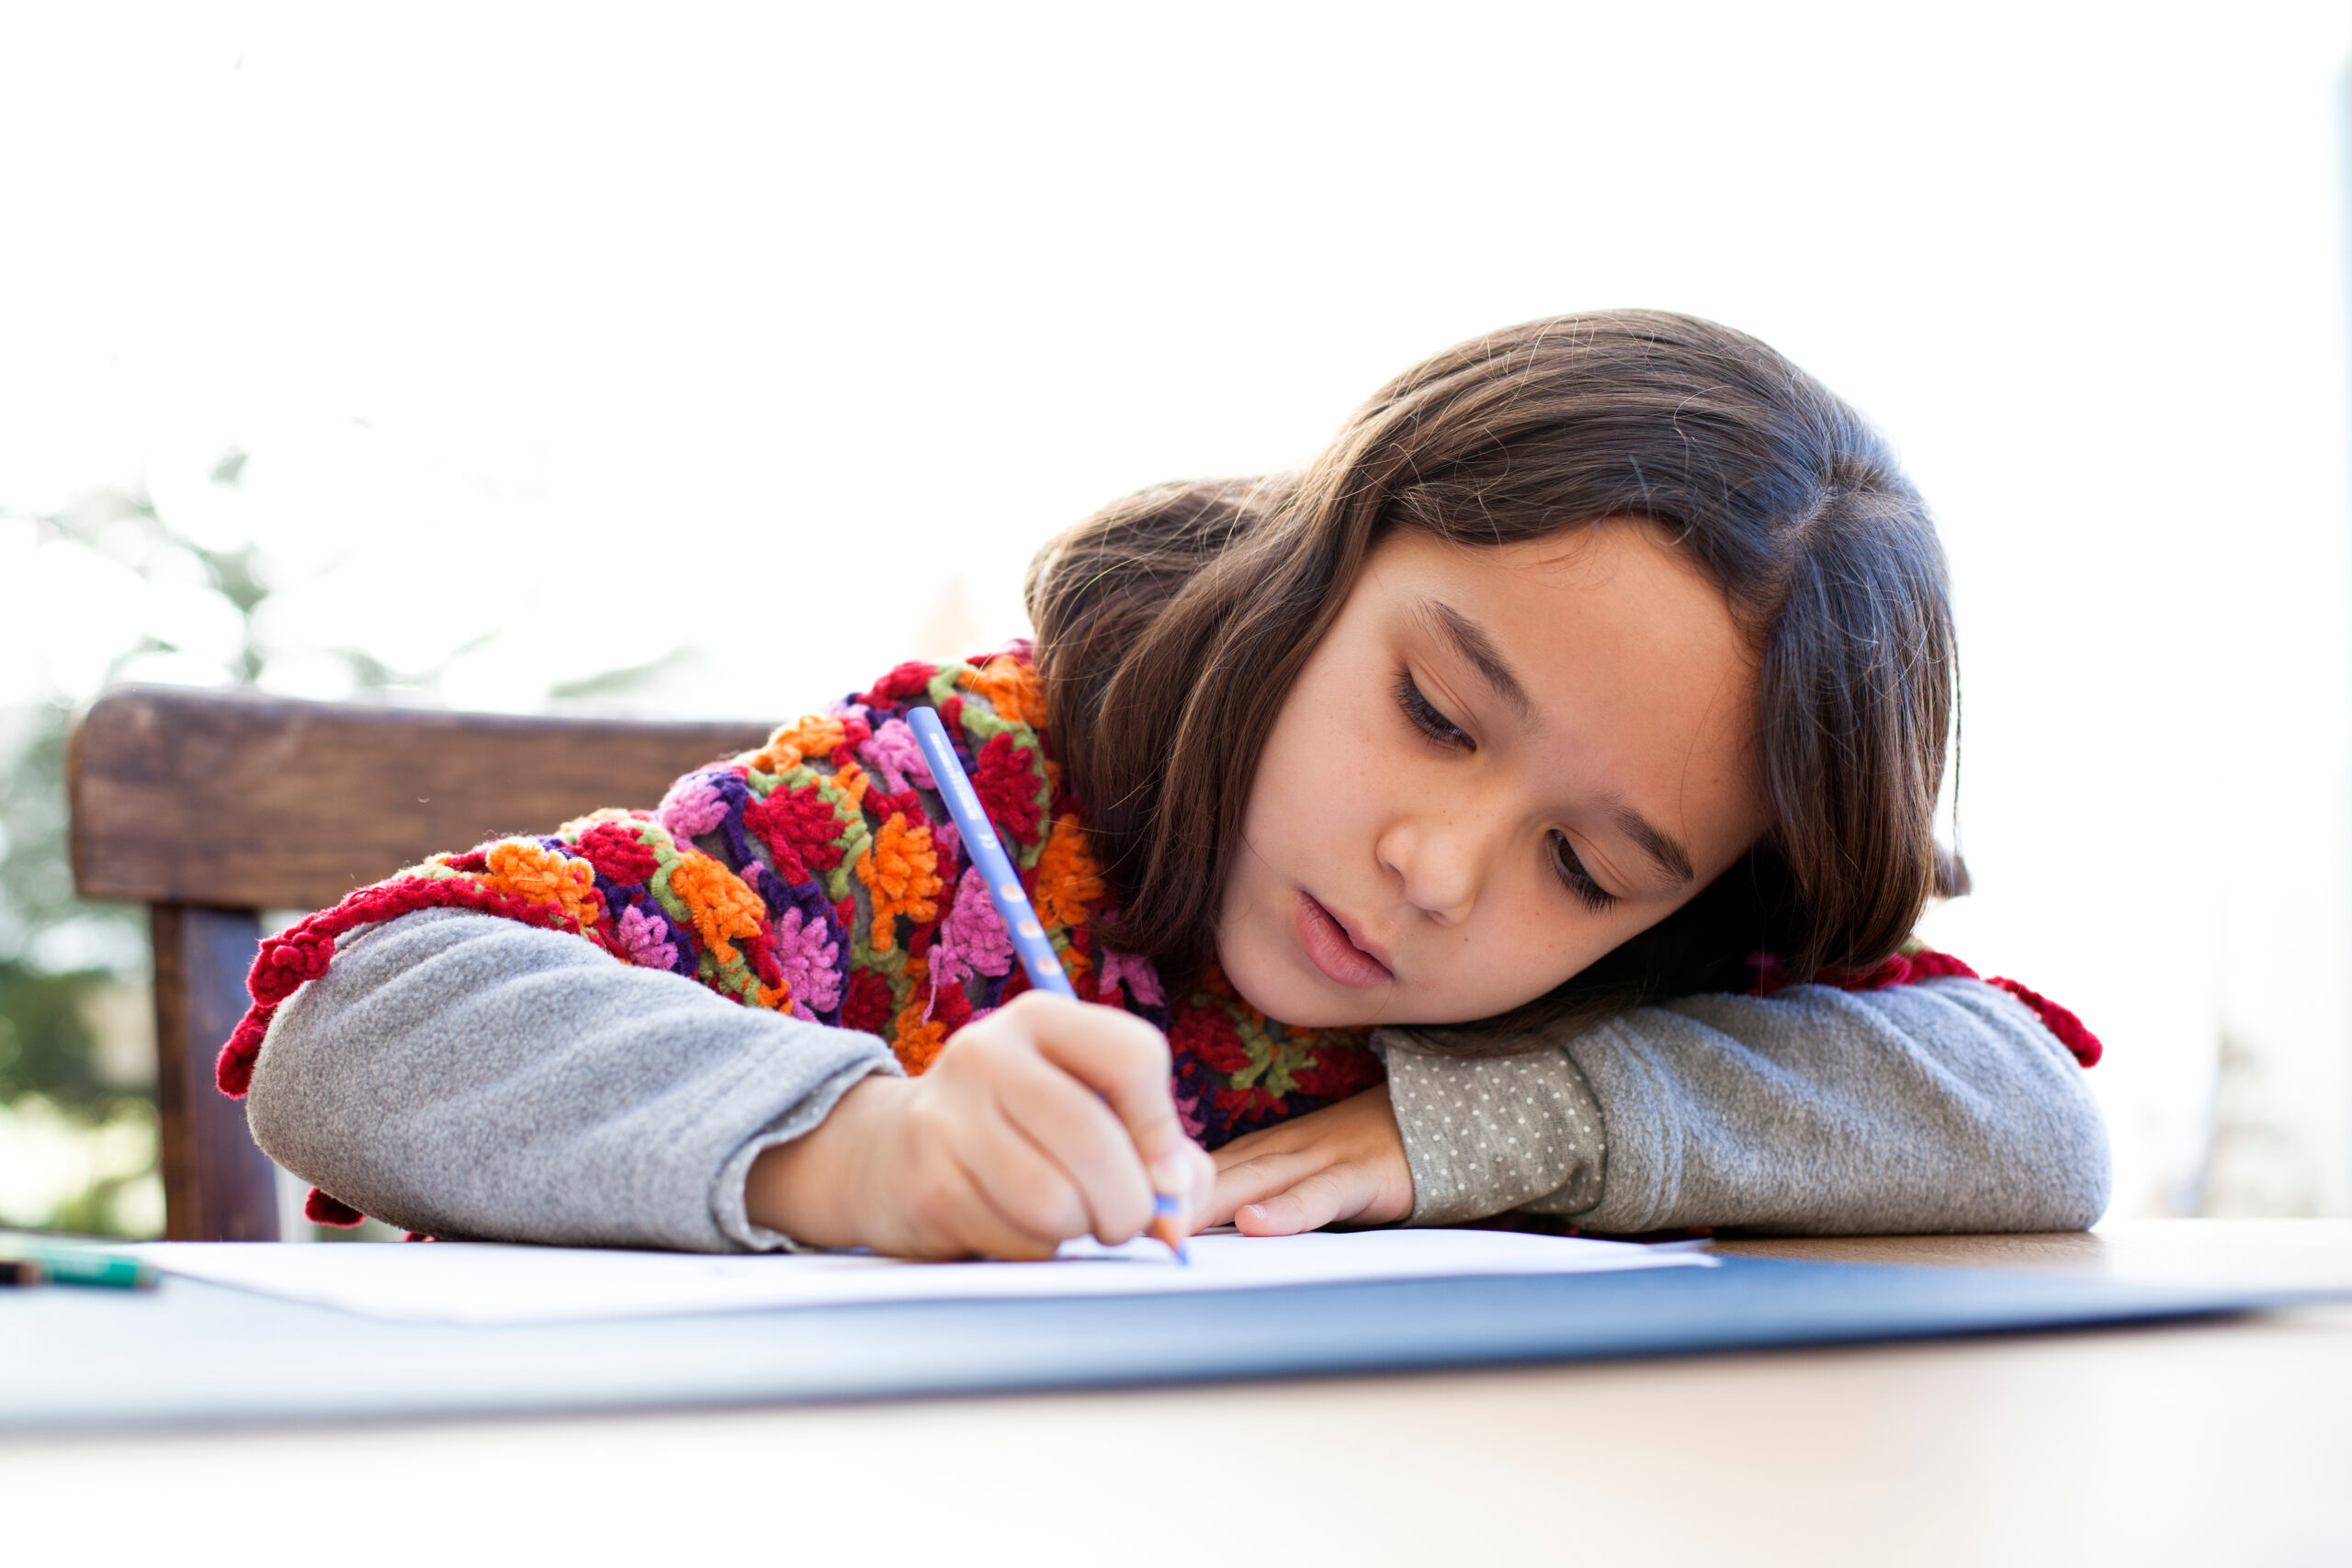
469, 1283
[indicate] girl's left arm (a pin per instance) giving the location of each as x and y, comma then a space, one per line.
1942, 1106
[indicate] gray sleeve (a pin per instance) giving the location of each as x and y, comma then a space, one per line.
1489, 1135
470, 1077
1944, 1106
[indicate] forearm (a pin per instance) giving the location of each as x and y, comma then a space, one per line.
466, 1075
1939, 1107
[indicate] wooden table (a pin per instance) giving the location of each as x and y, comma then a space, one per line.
2213, 1443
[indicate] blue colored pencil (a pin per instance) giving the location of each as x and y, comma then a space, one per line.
1030, 943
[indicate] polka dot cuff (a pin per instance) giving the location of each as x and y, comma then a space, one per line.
1487, 1136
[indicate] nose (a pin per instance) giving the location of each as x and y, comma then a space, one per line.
1441, 857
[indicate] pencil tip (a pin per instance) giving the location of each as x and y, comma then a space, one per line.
1164, 1231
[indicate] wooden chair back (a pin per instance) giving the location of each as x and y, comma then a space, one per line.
212, 807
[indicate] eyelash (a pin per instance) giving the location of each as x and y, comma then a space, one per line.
1425, 716
1570, 865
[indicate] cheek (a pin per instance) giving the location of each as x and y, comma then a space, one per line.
1318, 772
1289, 823
1532, 941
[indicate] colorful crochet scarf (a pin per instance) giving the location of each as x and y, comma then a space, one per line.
820, 875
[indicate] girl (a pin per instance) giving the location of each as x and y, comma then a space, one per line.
1555, 758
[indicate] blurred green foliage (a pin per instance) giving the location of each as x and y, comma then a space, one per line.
45, 1039
60, 958
56, 949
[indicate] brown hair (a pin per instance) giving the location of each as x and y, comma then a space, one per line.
1172, 624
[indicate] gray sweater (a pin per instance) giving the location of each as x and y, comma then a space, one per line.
468, 1075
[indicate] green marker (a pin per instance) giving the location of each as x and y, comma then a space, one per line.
76, 1266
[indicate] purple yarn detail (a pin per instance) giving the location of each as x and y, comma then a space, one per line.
821, 913
972, 939
776, 894
1188, 1107
736, 791
807, 953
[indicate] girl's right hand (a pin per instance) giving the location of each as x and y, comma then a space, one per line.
1047, 1119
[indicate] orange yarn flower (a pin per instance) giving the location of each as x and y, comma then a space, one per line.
815, 736
1011, 687
1069, 882
720, 904
775, 757
900, 869
915, 1040
852, 781
545, 876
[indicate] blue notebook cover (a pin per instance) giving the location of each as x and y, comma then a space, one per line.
197, 1354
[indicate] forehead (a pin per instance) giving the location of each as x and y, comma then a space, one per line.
1619, 586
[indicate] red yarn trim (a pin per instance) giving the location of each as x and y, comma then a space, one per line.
1926, 963
1902, 969
320, 1209
2069, 1029
302, 951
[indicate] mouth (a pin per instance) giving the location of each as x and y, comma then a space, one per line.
1331, 949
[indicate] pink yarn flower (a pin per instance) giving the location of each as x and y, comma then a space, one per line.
1136, 972
971, 940
895, 757
646, 941
693, 806
806, 952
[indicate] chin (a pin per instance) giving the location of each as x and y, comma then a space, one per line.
1293, 999
1260, 981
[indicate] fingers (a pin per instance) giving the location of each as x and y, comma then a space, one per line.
1102, 1180
1026, 1182
1202, 1186
1326, 1196
1124, 1060
984, 1227
1255, 1181
1343, 1163
963, 1185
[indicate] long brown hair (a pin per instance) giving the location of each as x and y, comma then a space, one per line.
1172, 624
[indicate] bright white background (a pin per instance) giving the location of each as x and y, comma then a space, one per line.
769, 343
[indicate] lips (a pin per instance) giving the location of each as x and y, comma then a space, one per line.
1331, 950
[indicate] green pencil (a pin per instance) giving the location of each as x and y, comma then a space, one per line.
78, 1265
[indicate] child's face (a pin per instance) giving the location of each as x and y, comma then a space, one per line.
1499, 764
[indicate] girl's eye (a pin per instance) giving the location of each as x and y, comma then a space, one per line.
1570, 865
1426, 717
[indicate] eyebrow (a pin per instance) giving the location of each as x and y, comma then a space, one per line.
1471, 641
1665, 850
